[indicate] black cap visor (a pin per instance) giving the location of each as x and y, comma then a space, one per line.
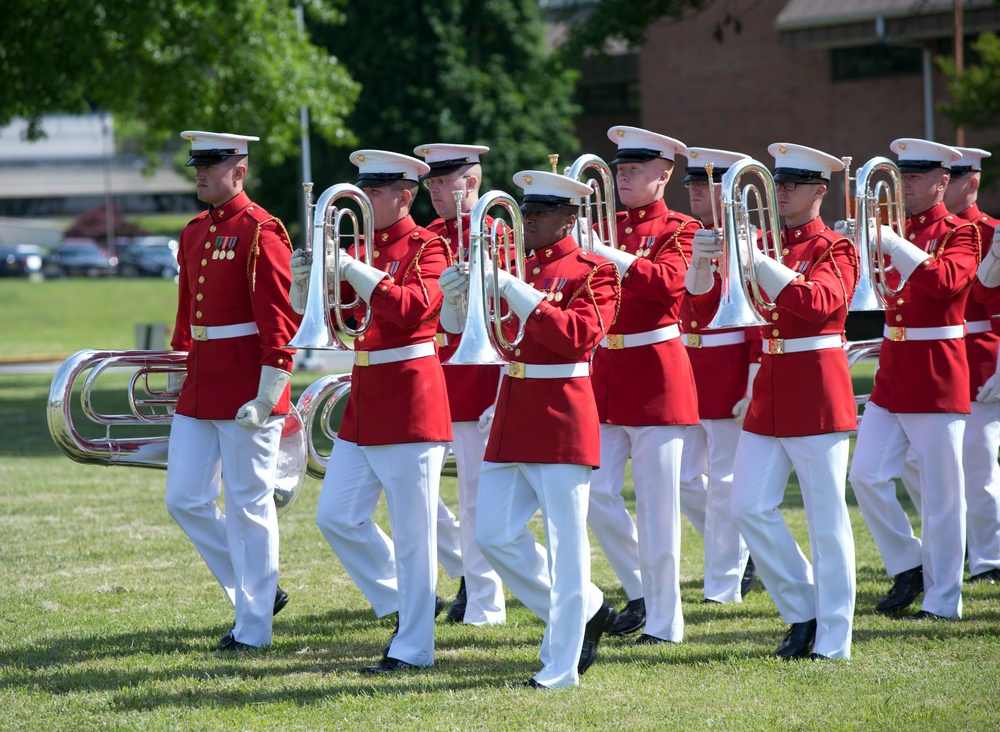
918, 166
696, 173
445, 167
533, 203
202, 158
636, 155
377, 180
798, 175
957, 171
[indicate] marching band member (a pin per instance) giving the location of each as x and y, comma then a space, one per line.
982, 426
234, 320
921, 395
395, 427
645, 390
801, 409
543, 443
471, 389
720, 361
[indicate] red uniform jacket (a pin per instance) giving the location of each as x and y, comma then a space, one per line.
649, 385
555, 420
807, 393
471, 389
404, 401
930, 376
234, 268
981, 348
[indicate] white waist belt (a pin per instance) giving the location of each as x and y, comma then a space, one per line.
614, 341
977, 326
712, 340
392, 355
942, 333
778, 346
546, 371
216, 332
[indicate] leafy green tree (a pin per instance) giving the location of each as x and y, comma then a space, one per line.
975, 91
464, 71
234, 65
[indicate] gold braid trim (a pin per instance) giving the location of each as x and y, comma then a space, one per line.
672, 242
255, 249
828, 254
585, 287
414, 266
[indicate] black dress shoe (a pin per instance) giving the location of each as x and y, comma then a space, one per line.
280, 600
532, 684
630, 619
456, 611
925, 615
386, 666
990, 576
439, 604
905, 588
229, 643
648, 640
749, 578
227, 638
709, 601
819, 657
596, 627
798, 640
438, 607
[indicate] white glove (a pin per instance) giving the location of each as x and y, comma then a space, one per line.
740, 408
771, 275
520, 296
905, 256
705, 246
989, 272
486, 419
847, 228
253, 414
454, 283
990, 391
363, 279
175, 380
623, 260
301, 268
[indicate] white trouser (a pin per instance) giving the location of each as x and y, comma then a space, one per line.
763, 465
240, 547
449, 541
553, 582
879, 457
409, 474
982, 486
485, 602
656, 475
707, 463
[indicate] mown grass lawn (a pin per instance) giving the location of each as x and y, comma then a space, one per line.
108, 619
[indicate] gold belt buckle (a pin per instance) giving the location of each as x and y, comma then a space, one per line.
442, 338
897, 333
616, 341
776, 346
198, 333
361, 358
515, 370
694, 340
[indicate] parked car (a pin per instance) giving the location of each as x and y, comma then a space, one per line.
148, 260
79, 257
20, 260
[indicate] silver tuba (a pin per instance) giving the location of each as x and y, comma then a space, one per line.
742, 203
873, 292
483, 338
319, 402
150, 411
316, 330
598, 207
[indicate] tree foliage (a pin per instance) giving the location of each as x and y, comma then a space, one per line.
234, 65
463, 71
975, 91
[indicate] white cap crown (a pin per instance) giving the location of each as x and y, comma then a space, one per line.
636, 145
917, 155
210, 148
699, 157
801, 164
381, 167
544, 191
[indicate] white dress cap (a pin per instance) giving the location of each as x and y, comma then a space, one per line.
210, 148
636, 145
380, 167
918, 156
801, 164
699, 157
970, 162
545, 191
445, 158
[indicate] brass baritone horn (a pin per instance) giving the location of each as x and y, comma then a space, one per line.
741, 296
150, 411
483, 338
873, 292
316, 330
597, 208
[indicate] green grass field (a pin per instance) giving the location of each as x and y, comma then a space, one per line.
108, 618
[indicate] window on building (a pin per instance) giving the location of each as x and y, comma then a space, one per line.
865, 62
609, 86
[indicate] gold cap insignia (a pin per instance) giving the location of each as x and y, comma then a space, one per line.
692, 154
901, 146
405, 174
527, 180
361, 158
620, 133
782, 149
424, 151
